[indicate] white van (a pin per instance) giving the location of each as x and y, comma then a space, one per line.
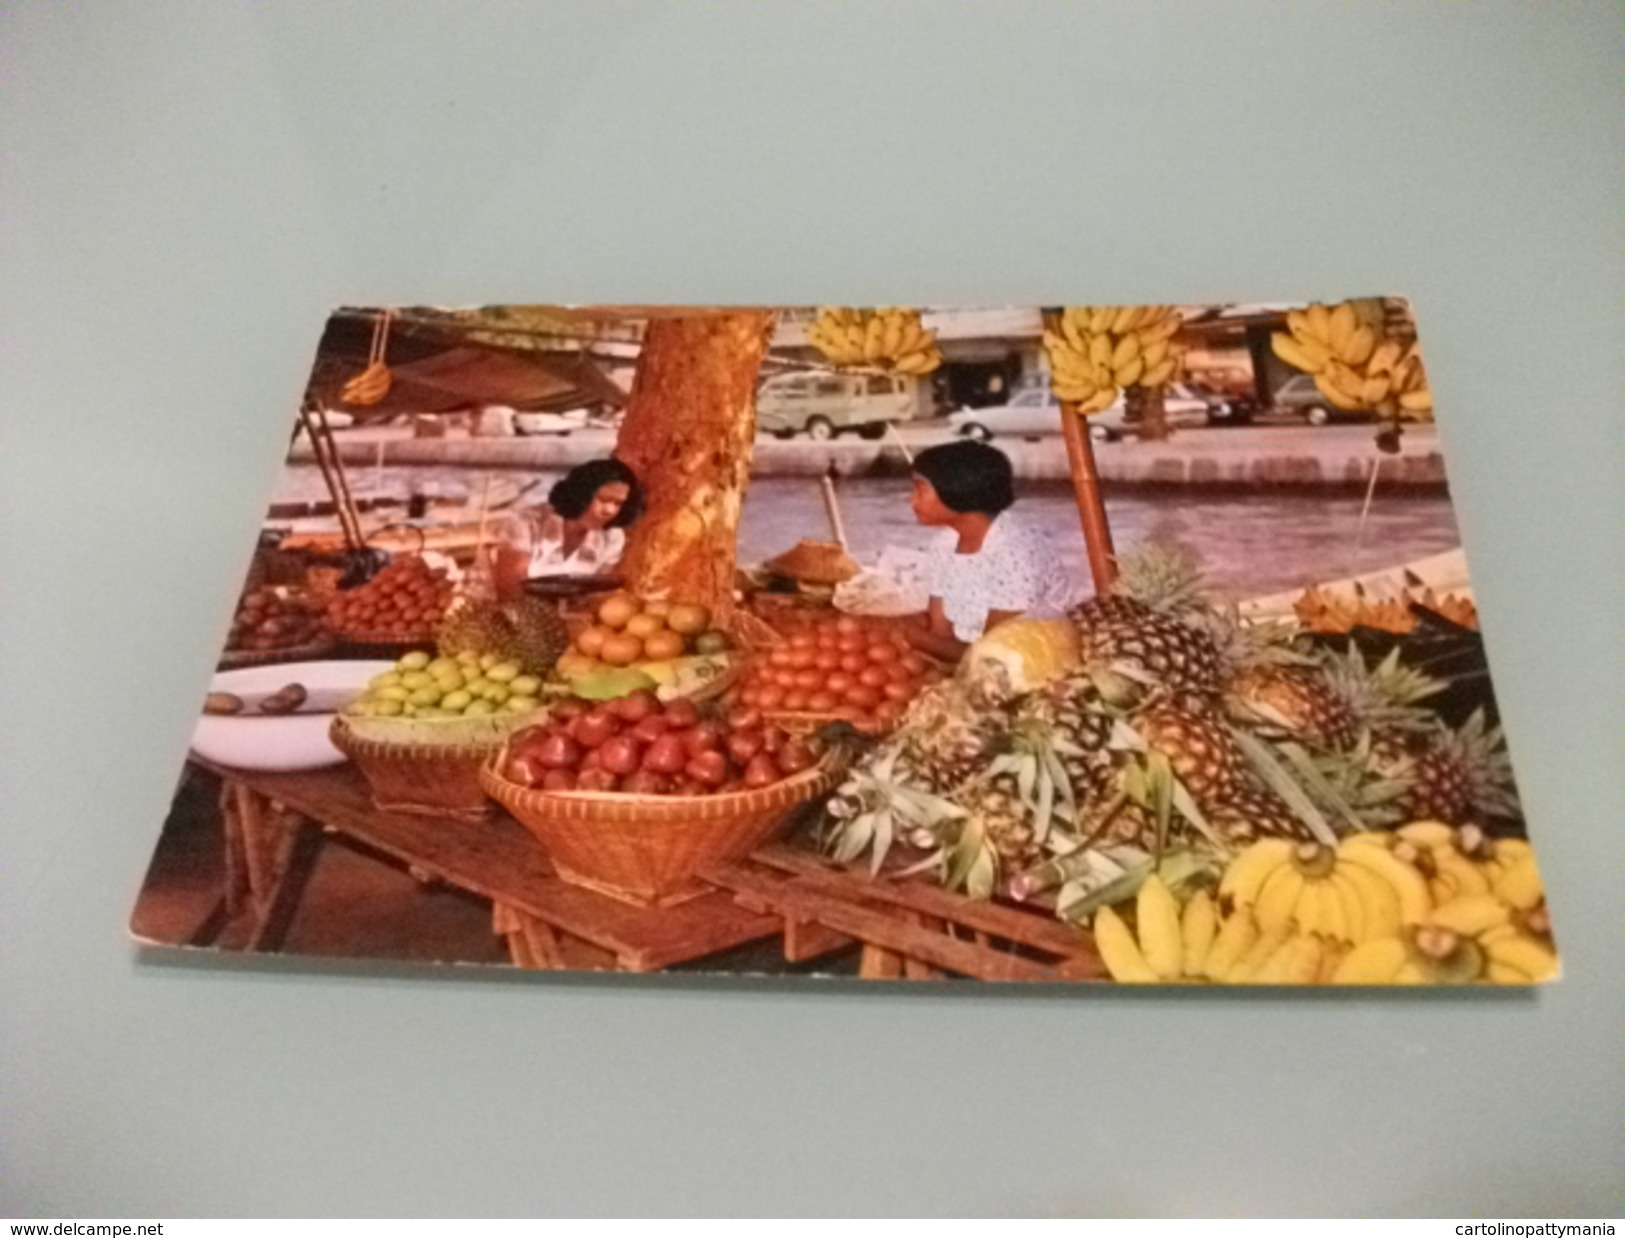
822, 404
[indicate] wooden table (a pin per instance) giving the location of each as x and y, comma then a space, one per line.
907, 928
275, 825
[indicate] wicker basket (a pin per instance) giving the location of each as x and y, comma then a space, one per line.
310, 651
648, 849
441, 780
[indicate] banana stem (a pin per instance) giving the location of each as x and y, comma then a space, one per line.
1097, 533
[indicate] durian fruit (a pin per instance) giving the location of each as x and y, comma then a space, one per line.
527, 631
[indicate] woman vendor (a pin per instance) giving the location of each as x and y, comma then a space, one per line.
988, 564
580, 531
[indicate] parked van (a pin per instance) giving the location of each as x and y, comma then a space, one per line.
821, 404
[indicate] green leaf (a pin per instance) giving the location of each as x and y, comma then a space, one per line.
1304, 764
1281, 782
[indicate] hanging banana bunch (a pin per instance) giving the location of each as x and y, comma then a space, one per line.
1095, 351
890, 338
1356, 365
372, 384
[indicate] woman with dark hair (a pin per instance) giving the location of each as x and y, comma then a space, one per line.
579, 532
988, 565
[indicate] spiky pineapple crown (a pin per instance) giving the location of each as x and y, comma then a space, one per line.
1479, 751
1163, 576
1385, 696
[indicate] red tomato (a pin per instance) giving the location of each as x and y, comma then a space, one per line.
822, 702
874, 677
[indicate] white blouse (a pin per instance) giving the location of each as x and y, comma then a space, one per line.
1013, 571
539, 534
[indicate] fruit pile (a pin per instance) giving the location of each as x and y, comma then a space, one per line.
1160, 722
1426, 904
838, 667
1322, 610
639, 745
406, 599
466, 686
627, 630
269, 619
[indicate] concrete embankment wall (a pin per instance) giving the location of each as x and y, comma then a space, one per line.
1189, 462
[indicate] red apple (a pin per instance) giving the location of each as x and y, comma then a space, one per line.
647, 782
795, 756
570, 707
682, 713
709, 769
667, 755
559, 752
592, 730
651, 728
742, 746
620, 755
634, 707
526, 736
773, 739
704, 737
744, 718
525, 770
559, 780
762, 771
597, 780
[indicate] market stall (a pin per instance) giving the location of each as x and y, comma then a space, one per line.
644, 769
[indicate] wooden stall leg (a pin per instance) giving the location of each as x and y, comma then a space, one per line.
919, 969
877, 963
237, 893
295, 861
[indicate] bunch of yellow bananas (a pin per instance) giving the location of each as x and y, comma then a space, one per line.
1097, 350
888, 338
368, 387
1355, 366
1426, 905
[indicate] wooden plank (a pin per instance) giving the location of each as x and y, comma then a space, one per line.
1038, 932
805, 940
879, 964
303, 843
883, 929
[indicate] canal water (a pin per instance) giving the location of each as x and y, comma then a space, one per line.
1247, 544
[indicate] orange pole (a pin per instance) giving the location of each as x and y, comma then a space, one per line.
1097, 532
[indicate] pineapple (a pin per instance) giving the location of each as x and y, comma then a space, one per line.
1461, 776
944, 740
1251, 813
1329, 706
1143, 626
1006, 823
1198, 746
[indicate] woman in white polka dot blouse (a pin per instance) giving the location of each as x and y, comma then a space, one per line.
988, 564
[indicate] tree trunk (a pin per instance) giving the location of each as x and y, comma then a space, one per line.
688, 433
1149, 409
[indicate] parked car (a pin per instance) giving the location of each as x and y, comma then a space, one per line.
822, 405
1034, 412
1299, 396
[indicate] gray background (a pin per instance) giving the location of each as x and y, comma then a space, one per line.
187, 190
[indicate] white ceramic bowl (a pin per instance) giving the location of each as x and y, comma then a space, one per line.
285, 742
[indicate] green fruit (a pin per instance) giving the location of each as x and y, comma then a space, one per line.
456, 701
440, 666
387, 680
479, 709
498, 694
425, 697
504, 672
394, 692
521, 704
389, 709
526, 685
451, 682
414, 661
417, 679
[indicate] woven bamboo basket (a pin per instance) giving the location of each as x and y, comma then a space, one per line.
441, 780
649, 849
310, 651
372, 644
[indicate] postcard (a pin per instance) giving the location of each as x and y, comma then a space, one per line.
1078, 644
